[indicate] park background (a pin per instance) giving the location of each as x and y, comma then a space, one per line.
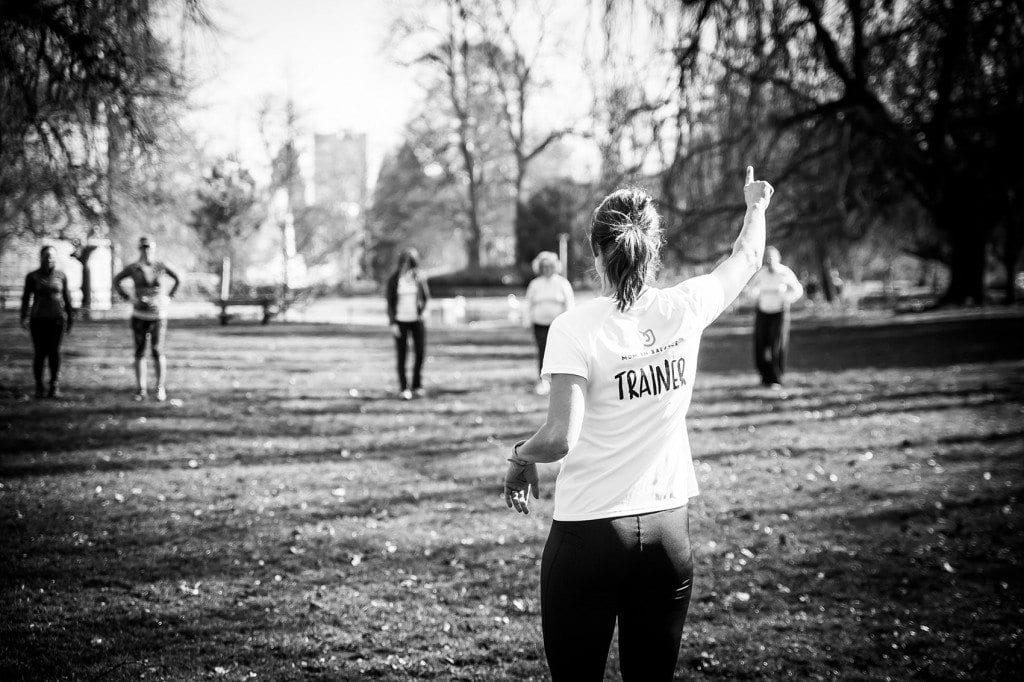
285, 516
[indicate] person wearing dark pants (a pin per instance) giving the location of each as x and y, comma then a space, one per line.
774, 289
622, 368
46, 313
771, 340
540, 337
418, 332
407, 296
637, 569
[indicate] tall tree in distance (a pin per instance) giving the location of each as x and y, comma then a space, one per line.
228, 210
518, 41
409, 208
443, 38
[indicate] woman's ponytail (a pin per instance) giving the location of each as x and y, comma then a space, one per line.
626, 230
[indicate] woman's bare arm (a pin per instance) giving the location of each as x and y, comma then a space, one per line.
748, 249
551, 443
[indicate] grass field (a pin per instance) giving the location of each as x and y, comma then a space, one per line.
287, 518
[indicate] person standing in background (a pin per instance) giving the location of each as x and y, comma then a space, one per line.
548, 296
407, 296
774, 289
46, 313
149, 313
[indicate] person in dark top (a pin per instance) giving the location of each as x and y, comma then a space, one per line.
47, 314
407, 296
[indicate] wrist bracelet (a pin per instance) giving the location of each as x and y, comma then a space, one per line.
516, 459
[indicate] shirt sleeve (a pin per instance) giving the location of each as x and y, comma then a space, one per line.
704, 298
563, 353
531, 290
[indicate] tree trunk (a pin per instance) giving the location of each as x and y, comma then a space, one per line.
828, 288
1011, 252
473, 238
968, 240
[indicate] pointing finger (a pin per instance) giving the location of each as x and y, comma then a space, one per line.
750, 175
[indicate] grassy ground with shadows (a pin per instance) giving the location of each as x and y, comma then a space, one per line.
286, 517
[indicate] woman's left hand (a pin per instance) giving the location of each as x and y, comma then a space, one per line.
520, 482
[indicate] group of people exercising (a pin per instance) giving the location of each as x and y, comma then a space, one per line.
619, 372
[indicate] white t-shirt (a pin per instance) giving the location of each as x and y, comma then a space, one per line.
548, 297
633, 454
406, 308
775, 291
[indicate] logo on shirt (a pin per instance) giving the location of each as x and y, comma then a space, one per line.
648, 336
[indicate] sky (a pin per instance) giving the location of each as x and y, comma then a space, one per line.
326, 54
331, 58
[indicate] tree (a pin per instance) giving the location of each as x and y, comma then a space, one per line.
549, 212
447, 41
84, 85
513, 53
925, 97
410, 209
228, 211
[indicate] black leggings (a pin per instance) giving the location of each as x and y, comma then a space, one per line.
634, 569
419, 341
540, 335
771, 339
47, 334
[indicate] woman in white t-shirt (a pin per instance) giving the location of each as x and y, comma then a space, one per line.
548, 295
622, 368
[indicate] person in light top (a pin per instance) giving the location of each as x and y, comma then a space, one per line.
548, 295
149, 313
774, 289
622, 368
407, 296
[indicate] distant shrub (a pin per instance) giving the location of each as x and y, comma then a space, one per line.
470, 282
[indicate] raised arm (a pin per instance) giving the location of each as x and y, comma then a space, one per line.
748, 250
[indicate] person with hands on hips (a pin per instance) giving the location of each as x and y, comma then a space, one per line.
407, 297
149, 313
47, 315
622, 368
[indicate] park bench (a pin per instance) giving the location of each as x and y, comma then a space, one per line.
269, 304
272, 303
